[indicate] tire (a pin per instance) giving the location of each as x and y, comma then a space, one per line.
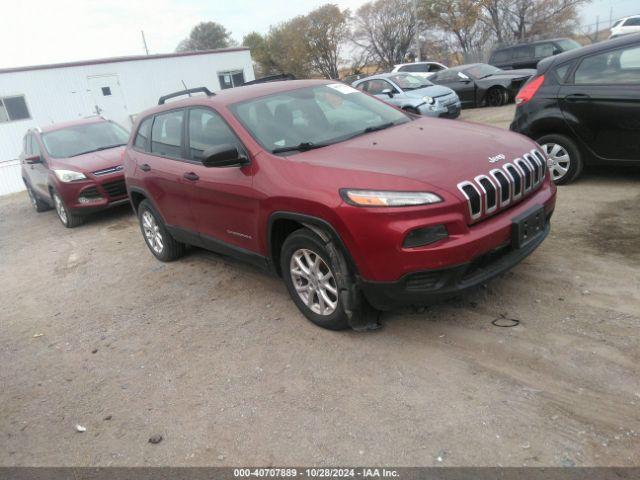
37, 203
159, 241
344, 306
496, 97
565, 159
67, 218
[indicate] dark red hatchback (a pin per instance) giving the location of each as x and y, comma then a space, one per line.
357, 205
75, 167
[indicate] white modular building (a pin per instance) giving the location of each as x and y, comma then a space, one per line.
116, 88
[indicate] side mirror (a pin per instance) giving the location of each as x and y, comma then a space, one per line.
33, 159
223, 156
388, 92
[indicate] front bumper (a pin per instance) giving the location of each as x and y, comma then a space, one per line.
94, 194
430, 286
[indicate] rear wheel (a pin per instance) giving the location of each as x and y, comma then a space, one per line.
496, 97
163, 246
37, 203
67, 218
564, 158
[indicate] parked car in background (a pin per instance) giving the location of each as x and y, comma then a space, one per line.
413, 94
583, 107
422, 69
356, 204
626, 25
527, 55
75, 167
480, 84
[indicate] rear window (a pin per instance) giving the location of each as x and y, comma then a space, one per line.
142, 137
415, 68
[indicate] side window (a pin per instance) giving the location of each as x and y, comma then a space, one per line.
543, 50
207, 129
562, 71
632, 22
377, 86
166, 134
610, 68
520, 53
501, 56
26, 145
35, 147
434, 67
142, 137
363, 86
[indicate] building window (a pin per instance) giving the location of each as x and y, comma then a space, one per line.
13, 108
106, 91
231, 79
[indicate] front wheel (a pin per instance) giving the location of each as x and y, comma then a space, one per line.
496, 97
67, 218
564, 158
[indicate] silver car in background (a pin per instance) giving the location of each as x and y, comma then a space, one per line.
412, 93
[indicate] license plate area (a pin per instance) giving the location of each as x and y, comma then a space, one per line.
526, 227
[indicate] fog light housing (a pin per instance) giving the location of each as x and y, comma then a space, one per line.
87, 200
425, 236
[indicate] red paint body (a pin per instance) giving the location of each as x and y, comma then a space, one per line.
42, 179
234, 205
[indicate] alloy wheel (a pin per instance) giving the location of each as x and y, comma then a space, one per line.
152, 232
60, 209
314, 282
558, 161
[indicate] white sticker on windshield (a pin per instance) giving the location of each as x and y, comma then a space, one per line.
342, 88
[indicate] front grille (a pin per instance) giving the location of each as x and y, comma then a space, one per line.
91, 192
488, 194
106, 171
115, 189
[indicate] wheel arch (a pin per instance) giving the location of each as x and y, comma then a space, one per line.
282, 223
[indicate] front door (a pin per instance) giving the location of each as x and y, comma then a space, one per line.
602, 103
108, 98
223, 201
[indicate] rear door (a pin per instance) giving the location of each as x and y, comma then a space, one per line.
38, 172
160, 161
523, 57
462, 84
223, 201
602, 103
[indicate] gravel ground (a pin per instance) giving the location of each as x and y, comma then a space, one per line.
213, 355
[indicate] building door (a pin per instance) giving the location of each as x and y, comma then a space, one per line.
108, 99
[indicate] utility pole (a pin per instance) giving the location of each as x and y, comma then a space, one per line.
417, 39
144, 42
597, 27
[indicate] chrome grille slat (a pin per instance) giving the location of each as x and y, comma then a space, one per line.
489, 193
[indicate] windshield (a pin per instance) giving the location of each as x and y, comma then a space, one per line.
314, 116
568, 44
85, 138
481, 70
410, 82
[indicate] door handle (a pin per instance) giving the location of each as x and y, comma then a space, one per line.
191, 176
577, 97
145, 167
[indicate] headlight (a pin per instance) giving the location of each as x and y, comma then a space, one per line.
69, 175
370, 198
429, 100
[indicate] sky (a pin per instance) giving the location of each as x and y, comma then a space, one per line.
50, 31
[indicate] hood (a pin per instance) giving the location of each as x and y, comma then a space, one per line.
90, 162
524, 72
427, 151
434, 91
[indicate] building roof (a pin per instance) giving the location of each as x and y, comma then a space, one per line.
131, 58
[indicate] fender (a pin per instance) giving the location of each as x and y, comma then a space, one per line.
147, 197
310, 222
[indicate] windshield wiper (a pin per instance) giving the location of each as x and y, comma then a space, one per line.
375, 128
301, 147
97, 149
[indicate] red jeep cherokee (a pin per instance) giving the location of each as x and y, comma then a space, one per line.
355, 203
75, 167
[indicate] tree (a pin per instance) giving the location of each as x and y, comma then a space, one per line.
206, 36
326, 31
288, 48
258, 46
386, 29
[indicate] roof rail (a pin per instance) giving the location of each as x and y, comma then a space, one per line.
271, 78
189, 91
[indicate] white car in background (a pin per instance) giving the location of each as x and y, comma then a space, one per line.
422, 69
625, 26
